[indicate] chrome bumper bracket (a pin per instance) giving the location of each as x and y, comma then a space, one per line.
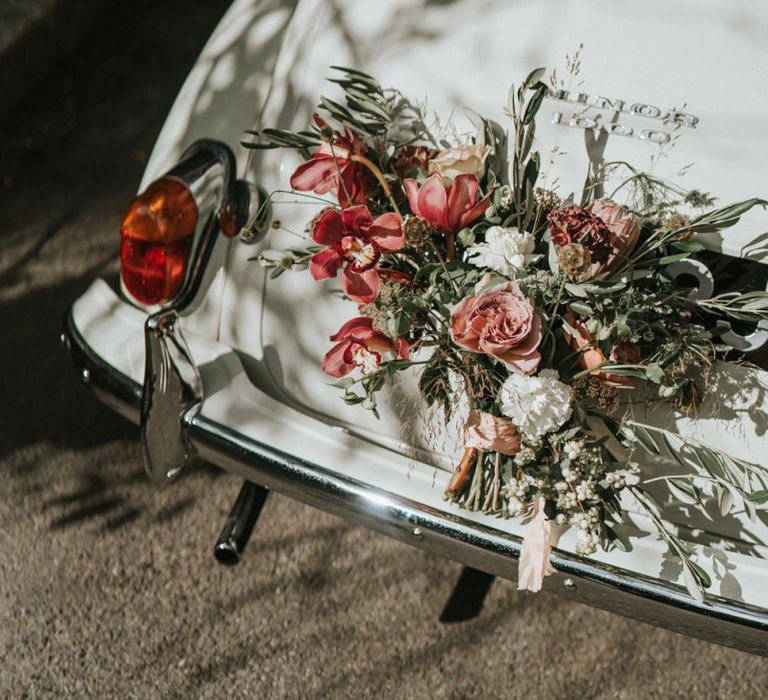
172, 392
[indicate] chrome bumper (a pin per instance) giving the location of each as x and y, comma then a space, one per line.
647, 600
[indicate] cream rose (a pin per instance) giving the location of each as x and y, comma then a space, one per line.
461, 160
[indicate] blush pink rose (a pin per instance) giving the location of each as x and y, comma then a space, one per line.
500, 323
484, 431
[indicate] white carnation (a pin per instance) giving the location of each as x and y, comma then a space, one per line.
505, 251
536, 405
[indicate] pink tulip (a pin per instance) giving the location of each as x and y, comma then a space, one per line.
360, 346
448, 209
354, 240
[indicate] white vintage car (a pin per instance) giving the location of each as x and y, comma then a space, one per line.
217, 362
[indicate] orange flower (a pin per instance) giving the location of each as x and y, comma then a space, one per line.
592, 356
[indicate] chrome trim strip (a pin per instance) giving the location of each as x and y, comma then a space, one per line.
449, 535
116, 390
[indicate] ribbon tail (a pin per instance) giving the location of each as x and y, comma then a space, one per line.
534, 557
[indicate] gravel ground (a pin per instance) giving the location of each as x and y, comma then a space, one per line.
107, 584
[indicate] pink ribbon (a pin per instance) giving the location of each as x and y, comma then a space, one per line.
493, 433
537, 546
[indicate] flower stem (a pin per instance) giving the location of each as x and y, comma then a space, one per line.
450, 246
379, 176
443, 264
559, 296
459, 478
476, 488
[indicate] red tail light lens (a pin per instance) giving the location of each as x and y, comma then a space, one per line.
157, 235
153, 272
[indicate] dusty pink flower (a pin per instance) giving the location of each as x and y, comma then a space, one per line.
331, 167
624, 231
354, 240
502, 324
448, 209
359, 345
487, 432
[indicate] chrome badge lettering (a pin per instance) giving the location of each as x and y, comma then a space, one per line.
614, 122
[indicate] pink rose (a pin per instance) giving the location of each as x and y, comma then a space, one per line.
486, 432
624, 231
502, 324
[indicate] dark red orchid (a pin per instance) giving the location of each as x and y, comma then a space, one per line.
448, 209
356, 241
360, 346
330, 167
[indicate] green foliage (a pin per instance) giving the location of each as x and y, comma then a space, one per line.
435, 384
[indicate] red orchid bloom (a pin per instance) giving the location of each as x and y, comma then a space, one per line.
356, 241
449, 208
330, 167
360, 346
394, 275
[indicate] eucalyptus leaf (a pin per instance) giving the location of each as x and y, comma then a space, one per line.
582, 309
576, 290
688, 246
725, 502
668, 259
466, 237
683, 491
534, 76
343, 383
758, 496
691, 583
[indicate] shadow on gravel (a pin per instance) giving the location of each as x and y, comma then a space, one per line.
79, 140
44, 399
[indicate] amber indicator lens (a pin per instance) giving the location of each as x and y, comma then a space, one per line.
156, 235
164, 213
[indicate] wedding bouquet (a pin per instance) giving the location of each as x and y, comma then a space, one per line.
543, 319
